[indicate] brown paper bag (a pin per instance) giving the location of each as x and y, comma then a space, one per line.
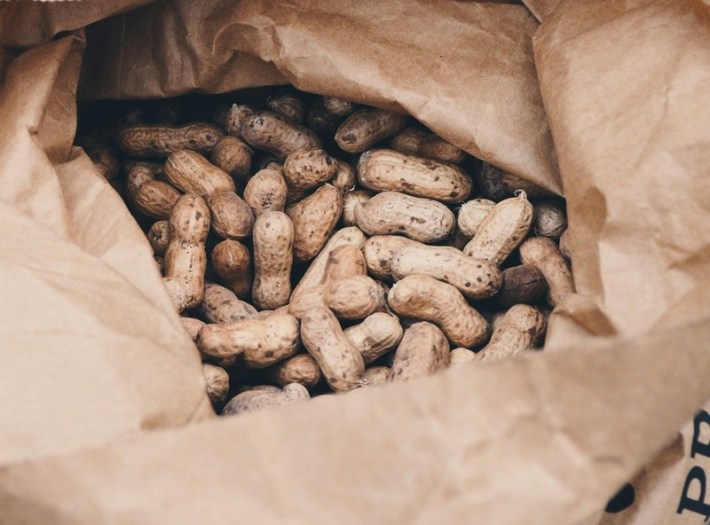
546, 438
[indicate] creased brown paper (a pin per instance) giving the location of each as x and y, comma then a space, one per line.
545, 438
468, 67
91, 349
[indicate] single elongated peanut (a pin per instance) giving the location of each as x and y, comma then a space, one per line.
549, 219
436, 148
221, 305
367, 126
308, 168
144, 140
390, 170
377, 375
159, 237
314, 219
232, 217
351, 236
517, 332
545, 255
476, 279
269, 131
273, 246
460, 356
216, 382
409, 140
252, 400
423, 220
502, 231
338, 106
350, 200
152, 197
301, 369
185, 258
353, 297
423, 297
266, 191
379, 251
192, 326
259, 342
193, 173
522, 284
344, 179
233, 156
472, 214
422, 351
289, 106
344, 261
231, 261
339, 361
375, 336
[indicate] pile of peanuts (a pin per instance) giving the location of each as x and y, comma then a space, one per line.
346, 248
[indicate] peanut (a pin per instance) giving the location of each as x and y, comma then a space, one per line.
339, 361
351, 236
266, 191
503, 229
233, 156
564, 245
350, 200
434, 147
375, 336
344, 179
232, 217
216, 382
367, 126
409, 140
232, 263
460, 356
423, 220
220, 305
106, 161
376, 375
252, 400
379, 251
549, 219
289, 106
353, 297
321, 120
489, 181
259, 342
192, 173
422, 351
269, 131
152, 197
344, 261
314, 219
144, 140
159, 237
522, 284
518, 331
192, 326
307, 168
472, 214
338, 107
543, 253
301, 369
185, 258
423, 297
389, 170
273, 246
476, 279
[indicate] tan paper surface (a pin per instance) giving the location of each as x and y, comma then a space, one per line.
468, 67
545, 438
91, 349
